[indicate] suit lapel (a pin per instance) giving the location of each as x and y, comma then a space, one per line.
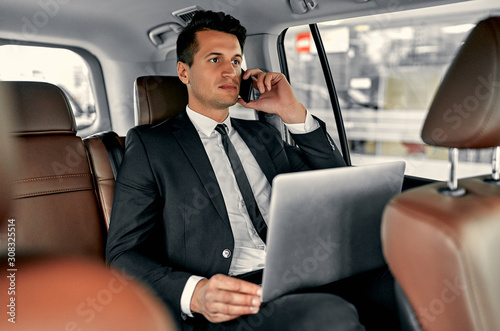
189, 140
258, 149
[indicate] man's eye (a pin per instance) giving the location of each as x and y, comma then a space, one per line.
236, 61
214, 60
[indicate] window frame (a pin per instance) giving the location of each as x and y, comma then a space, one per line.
415, 179
325, 66
102, 121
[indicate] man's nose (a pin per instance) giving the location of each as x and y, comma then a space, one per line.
229, 70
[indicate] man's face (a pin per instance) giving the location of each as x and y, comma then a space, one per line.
213, 79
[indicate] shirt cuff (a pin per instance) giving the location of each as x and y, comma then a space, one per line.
187, 294
309, 125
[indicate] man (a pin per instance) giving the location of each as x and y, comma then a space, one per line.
182, 220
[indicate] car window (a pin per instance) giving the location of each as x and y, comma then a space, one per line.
386, 68
58, 66
306, 76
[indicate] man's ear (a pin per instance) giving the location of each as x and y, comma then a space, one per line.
183, 72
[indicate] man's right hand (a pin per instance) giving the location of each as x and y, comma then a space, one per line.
223, 298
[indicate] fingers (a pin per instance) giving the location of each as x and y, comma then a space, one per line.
263, 81
277, 96
243, 103
231, 299
234, 292
235, 285
218, 312
222, 298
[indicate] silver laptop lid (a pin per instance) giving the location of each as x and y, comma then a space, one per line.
325, 225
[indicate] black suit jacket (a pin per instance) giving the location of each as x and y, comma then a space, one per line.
169, 220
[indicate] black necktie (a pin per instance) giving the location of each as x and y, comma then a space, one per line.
243, 184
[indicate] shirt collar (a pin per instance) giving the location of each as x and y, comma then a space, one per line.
205, 124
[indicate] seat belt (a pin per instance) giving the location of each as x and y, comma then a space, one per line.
114, 149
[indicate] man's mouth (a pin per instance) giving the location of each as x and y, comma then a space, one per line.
229, 87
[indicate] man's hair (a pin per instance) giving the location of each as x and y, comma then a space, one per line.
187, 44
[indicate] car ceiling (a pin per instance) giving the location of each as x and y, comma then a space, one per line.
109, 28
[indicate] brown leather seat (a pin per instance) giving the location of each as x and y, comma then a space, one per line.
6, 151
103, 171
54, 202
55, 211
75, 294
7, 166
157, 98
442, 241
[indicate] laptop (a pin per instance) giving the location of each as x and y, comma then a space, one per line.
325, 225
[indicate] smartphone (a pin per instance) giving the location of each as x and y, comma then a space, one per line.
246, 87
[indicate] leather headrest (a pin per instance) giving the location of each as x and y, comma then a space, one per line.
38, 108
159, 98
63, 302
465, 112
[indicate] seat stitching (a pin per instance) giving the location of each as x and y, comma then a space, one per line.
49, 178
75, 189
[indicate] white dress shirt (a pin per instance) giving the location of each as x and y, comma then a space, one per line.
249, 250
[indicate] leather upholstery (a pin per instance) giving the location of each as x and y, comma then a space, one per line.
54, 201
159, 98
465, 110
444, 253
72, 294
443, 250
39, 108
56, 212
7, 164
103, 173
